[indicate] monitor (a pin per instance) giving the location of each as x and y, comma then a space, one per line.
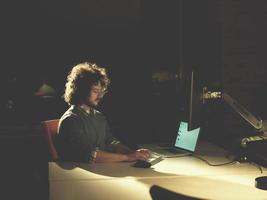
194, 103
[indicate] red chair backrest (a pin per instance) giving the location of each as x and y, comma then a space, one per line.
50, 130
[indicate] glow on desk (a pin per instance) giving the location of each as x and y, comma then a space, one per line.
206, 187
185, 175
169, 167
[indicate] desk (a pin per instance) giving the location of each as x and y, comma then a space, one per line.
185, 175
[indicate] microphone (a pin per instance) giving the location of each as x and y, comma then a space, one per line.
246, 140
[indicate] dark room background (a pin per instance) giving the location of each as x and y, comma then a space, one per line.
147, 47
134, 40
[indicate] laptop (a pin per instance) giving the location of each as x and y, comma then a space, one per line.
184, 144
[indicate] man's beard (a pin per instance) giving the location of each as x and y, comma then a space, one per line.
94, 105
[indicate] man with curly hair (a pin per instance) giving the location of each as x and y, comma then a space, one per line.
84, 134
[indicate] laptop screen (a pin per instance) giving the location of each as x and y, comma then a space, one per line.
186, 139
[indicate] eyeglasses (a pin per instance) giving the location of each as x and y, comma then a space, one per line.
99, 91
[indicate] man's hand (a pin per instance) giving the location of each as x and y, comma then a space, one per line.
140, 154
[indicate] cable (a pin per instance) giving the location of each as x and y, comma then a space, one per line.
256, 165
215, 165
227, 163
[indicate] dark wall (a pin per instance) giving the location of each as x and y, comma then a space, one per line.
137, 41
243, 49
42, 40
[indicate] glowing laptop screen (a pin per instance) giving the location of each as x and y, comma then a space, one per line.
186, 139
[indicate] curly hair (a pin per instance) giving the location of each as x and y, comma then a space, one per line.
80, 80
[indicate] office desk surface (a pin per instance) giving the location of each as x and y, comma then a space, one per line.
228, 187
186, 175
178, 166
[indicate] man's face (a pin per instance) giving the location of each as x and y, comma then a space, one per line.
95, 95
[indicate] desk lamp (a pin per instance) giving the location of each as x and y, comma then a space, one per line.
258, 124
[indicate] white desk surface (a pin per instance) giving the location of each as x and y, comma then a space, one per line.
230, 187
186, 175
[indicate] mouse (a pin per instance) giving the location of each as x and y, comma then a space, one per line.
142, 164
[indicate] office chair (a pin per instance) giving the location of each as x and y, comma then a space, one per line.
50, 130
160, 193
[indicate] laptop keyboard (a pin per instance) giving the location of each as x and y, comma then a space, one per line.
174, 151
171, 150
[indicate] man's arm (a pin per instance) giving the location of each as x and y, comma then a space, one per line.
120, 152
103, 156
72, 143
120, 148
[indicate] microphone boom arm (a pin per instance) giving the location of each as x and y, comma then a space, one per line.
258, 124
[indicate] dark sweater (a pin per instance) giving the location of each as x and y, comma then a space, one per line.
81, 133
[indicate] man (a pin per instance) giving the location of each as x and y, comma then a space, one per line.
84, 134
